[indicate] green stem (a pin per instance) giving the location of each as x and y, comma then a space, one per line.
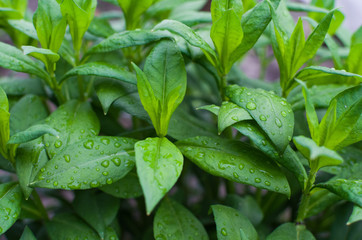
222, 86
302, 211
56, 88
79, 79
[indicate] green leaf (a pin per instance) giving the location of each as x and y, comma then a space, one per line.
318, 156
247, 205
288, 159
127, 187
312, 118
174, 221
272, 113
49, 24
27, 234
229, 114
67, 225
24, 26
289, 231
19, 86
295, 47
190, 37
29, 110
133, 11
232, 224
127, 39
14, 59
226, 31
10, 200
235, 161
98, 210
89, 163
32, 133
211, 108
342, 124
45, 55
163, 82
30, 158
355, 53
101, 28
159, 165
74, 121
79, 14
350, 190
4, 122
320, 200
101, 69
355, 216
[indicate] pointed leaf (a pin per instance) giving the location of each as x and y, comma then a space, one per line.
229, 114
89, 163
127, 187
32, 133
173, 219
159, 165
355, 216
10, 200
27, 234
289, 231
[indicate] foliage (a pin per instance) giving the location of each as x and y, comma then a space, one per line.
139, 124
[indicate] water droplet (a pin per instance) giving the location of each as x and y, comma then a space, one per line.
277, 189
235, 175
55, 183
97, 169
56, 166
263, 142
262, 117
267, 183
117, 161
283, 113
241, 166
251, 170
257, 180
203, 142
105, 141
200, 155
94, 184
284, 103
48, 181
117, 145
251, 106
224, 232
42, 170
109, 181
88, 144
58, 143
82, 131
235, 118
248, 93
278, 122
67, 158
105, 163
105, 173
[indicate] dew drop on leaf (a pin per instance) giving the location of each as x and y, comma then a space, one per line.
278, 122
58, 143
251, 170
235, 118
251, 106
116, 161
257, 180
105, 173
241, 166
105, 163
224, 232
67, 158
88, 144
262, 117
267, 183
283, 113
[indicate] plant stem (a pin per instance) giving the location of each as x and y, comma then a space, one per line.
222, 86
79, 79
302, 211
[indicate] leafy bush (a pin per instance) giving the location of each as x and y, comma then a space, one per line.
142, 125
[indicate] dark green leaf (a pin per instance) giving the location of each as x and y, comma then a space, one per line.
320, 200
127, 187
74, 121
289, 231
350, 190
89, 163
10, 200
98, 210
232, 224
235, 161
272, 113
101, 69
229, 114
356, 215
27, 234
101, 28
355, 53
159, 165
19, 87
67, 225
174, 221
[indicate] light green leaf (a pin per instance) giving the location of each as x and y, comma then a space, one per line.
30, 158
219, 7
133, 11
74, 121
289, 231
79, 14
174, 221
101, 69
24, 26
211, 108
49, 24
127, 187
356, 215
4, 102
312, 118
98, 210
27, 234
190, 37
67, 225
235, 161
89, 163
4, 123
318, 156
355, 53
294, 48
163, 81
127, 39
32, 133
232, 224
14, 59
342, 124
10, 200
45, 55
350, 190
272, 113
159, 165
229, 114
